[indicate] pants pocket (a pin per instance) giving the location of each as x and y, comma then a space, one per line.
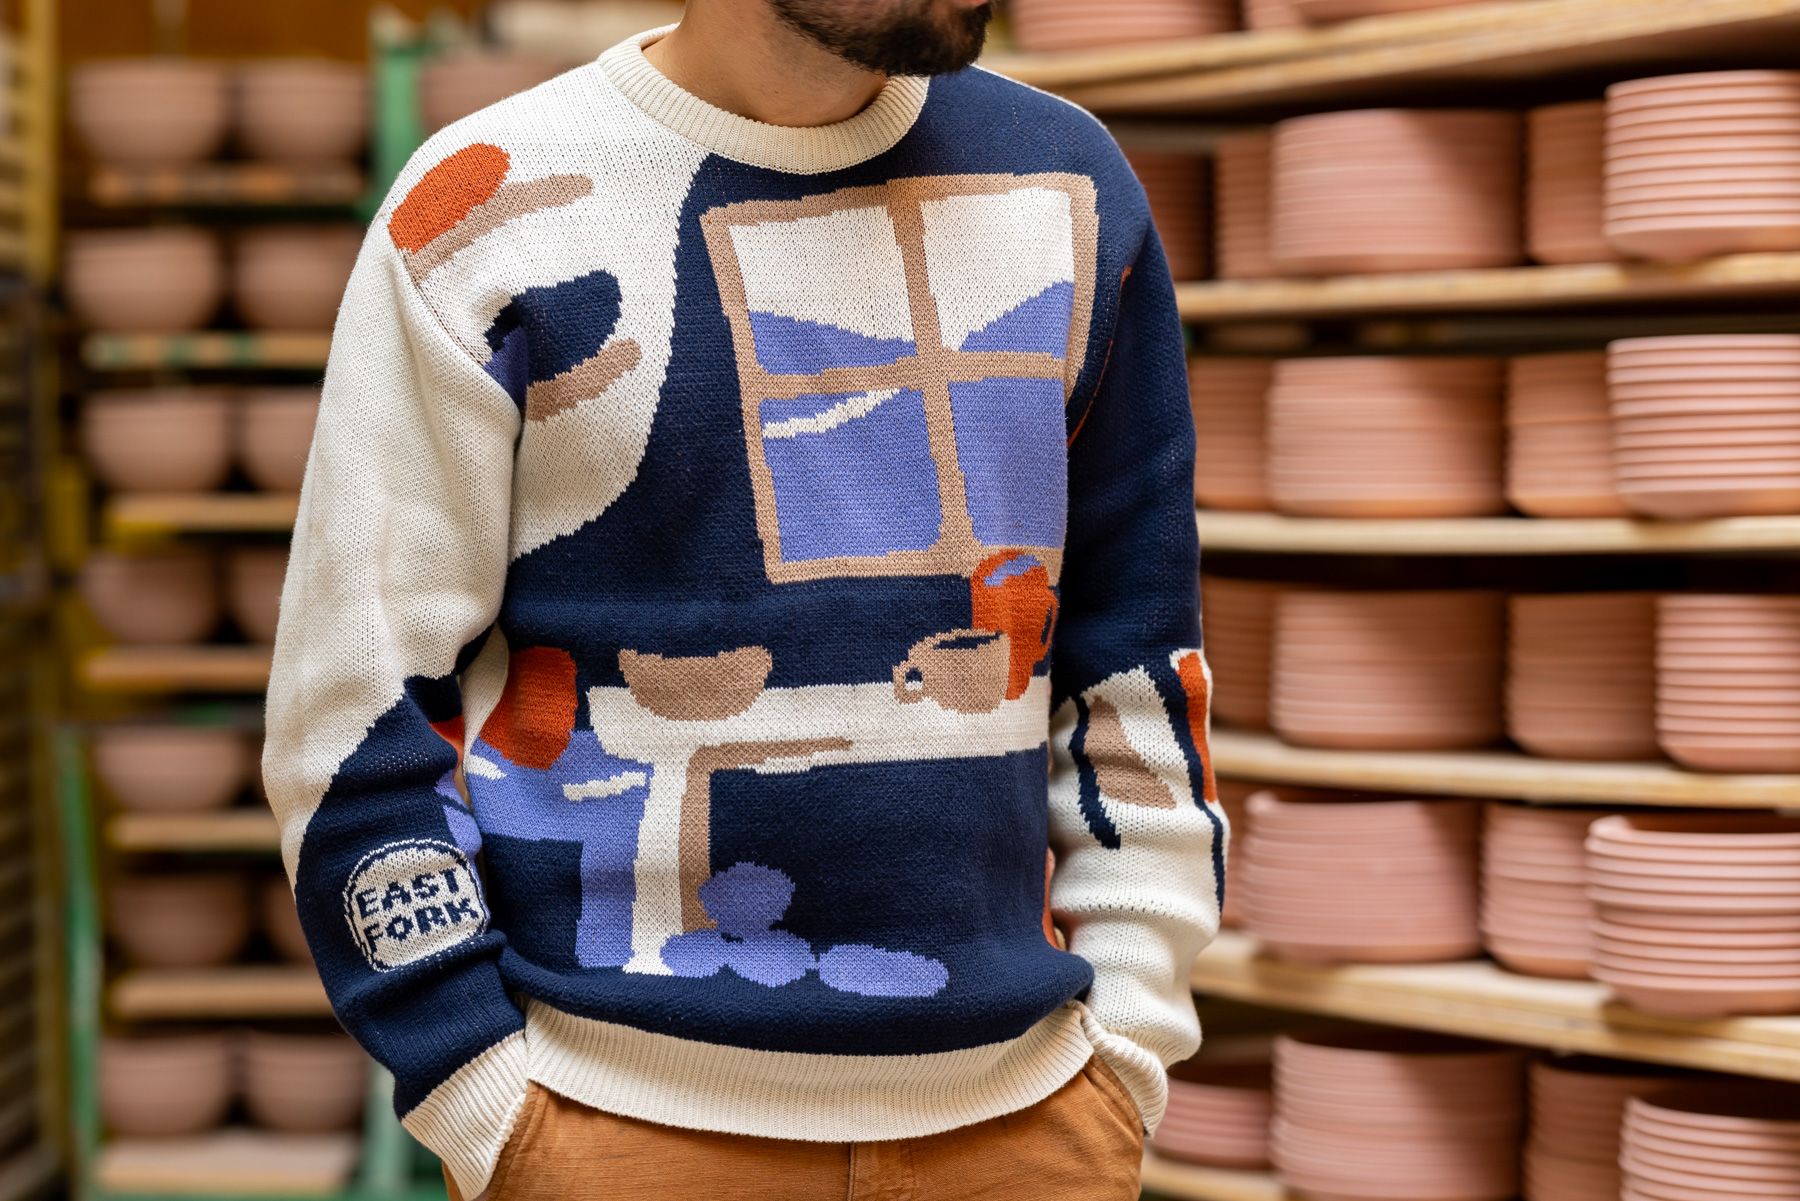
1113, 1092
525, 1126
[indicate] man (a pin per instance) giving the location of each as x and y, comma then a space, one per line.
738, 723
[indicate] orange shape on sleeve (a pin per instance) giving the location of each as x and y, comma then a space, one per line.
446, 194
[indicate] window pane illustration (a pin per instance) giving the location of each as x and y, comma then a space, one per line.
904, 418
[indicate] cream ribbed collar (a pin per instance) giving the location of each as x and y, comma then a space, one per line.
801, 149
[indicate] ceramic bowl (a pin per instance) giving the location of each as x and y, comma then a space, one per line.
1051, 25
181, 919
274, 435
254, 576
452, 86
302, 112
165, 598
150, 112
164, 1085
166, 768
280, 920
304, 1083
159, 440
166, 279
291, 278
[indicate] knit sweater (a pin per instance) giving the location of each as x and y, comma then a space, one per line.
739, 664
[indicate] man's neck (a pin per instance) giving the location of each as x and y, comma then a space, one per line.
743, 59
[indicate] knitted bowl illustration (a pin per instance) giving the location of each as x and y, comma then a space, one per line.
696, 687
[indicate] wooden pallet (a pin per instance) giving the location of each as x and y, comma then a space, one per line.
1504, 775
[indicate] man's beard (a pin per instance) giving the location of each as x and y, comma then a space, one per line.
915, 40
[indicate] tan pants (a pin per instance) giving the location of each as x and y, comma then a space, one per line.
1081, 1143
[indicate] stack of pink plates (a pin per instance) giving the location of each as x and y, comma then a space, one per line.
1378, 436
1704, 164
1559, 436
1270, 14
1719, 1141
1535, 912
1237, 620
1707, 425
1326, 880
1376, 190
1241, 206
1564, 153
1229, 398
1233, 795
1077, 24
1697, 915
1397, 1116
1387, 670
1581, 675
1175, 185
1218, 1113
1577, 1108
1728, 681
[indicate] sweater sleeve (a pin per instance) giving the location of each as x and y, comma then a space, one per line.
395, 575
1137, 835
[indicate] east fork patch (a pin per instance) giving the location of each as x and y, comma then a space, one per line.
410, 899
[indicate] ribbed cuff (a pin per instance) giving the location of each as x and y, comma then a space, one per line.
466, 1120
800, 149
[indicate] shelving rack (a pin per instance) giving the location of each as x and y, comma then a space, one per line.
1180, 95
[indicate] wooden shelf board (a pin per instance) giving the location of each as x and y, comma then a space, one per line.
1539, 39
1479, 999
227, 184
206, 349
258, 991
235, 1161
1274, 533
156, 514
159, 669
1192, 1182
221, 830
1501, 774
1496, 289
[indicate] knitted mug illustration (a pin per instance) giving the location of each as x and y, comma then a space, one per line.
963, 669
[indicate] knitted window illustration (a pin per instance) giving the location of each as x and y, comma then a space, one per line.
904, 417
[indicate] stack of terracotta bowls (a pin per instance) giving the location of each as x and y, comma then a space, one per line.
1697, 915
1565, 149
1218, 1113
1326, 880
1577, 1109
1233, 798
1229, 398
150, 112
253, 579
160, 767
1728, 684
1535, 911
1703, 164
1379, 436
181, 918
1396, 190
1241, 206
1581, 675
303, 1083
1175, 185
1387, 670
1730, 1140
1707, 425
280, 919
154, 281
159, 439
274, 435
1238, 619
451, 86
1397, 1116
1559, 458
1076, 24
166, 1084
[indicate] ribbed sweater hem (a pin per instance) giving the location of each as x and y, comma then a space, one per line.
799, 149
783, 1094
